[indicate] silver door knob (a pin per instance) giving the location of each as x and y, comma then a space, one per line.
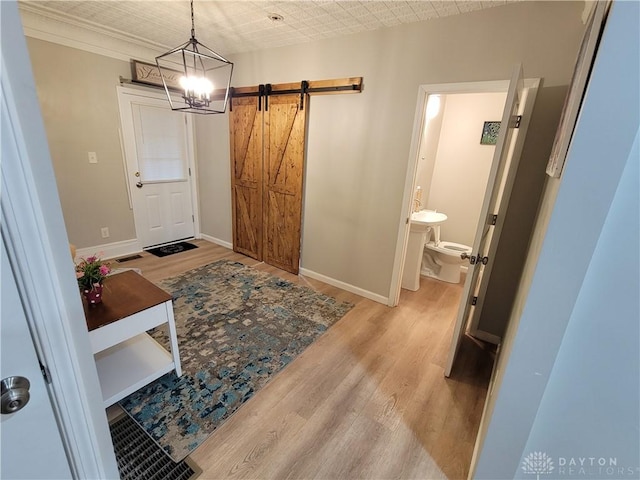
472, 258
15, 394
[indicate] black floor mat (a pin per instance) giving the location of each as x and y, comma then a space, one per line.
139, 458
171, 249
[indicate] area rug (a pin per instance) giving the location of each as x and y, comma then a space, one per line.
237, 327
171, 249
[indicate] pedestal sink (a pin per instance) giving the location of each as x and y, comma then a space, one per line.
421, 222
427, 217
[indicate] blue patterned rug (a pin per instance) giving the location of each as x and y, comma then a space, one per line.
237, 327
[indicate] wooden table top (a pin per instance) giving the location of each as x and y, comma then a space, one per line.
123, 294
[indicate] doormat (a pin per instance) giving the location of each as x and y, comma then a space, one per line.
126, 259
140, 458
237, 328
171, 249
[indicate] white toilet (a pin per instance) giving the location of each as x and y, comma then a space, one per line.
442, 260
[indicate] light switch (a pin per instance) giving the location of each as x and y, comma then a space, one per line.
93, 158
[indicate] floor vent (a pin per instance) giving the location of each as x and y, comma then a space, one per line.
139, 458
130, 257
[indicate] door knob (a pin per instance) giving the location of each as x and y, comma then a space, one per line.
139, 184
472, 258
15, 394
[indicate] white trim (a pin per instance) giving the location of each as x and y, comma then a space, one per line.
62, 29
215, 240
111, 250
193, 177
34, 233
124, 169
344, 286
407, 199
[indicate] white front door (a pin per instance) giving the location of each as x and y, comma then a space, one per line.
158, 150
487, 235
31, 443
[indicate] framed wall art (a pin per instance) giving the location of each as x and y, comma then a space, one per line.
148, 73
490, 132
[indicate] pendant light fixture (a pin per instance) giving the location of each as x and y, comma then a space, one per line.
204, 76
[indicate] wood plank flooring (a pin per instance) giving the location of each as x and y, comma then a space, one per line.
367, 400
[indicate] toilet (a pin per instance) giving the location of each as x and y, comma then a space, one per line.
441, 259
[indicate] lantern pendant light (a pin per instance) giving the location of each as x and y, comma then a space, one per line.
204, 76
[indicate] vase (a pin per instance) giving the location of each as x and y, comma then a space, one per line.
94, 294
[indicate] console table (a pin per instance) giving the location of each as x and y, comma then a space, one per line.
127, 358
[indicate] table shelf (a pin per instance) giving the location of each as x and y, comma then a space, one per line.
130, 365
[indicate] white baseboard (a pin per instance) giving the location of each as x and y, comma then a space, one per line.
217, 241
111, 250
345, 286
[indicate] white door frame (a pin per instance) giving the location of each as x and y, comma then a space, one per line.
34, 232
414, 154
128, 94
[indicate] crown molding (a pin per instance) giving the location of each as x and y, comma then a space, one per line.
45, 24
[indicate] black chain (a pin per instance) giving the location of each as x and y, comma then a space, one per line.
193, 25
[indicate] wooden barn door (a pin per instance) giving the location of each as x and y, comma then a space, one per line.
267, 163
284, 142
246, 124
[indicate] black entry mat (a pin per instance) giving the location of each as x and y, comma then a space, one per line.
139, 458
171, 249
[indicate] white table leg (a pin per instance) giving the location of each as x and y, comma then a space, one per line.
173, 338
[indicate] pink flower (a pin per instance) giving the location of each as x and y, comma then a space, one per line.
104, 270
91, 259
79, 274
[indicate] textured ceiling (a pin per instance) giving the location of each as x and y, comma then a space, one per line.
240, 26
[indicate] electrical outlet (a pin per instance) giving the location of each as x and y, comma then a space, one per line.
105, 232
93, 157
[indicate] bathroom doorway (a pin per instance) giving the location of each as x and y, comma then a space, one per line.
461, 178
453, 164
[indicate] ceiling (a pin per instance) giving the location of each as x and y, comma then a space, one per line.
230, 27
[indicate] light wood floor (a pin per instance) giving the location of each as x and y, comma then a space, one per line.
367, 400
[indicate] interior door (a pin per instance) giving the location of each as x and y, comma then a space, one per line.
31, 443
486, 236
157, 154
284, 152
246, 134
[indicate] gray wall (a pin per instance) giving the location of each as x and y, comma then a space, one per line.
77, 93
358, 145
568, 376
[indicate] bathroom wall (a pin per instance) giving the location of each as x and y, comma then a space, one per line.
462, 164
429, 145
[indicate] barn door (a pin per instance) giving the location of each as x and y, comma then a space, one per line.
246, 124
284, 135
267, 165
